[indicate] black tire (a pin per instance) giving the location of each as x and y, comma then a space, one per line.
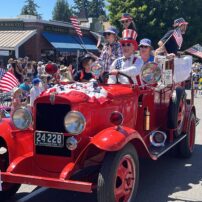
108, 179
175, 107
11, 188
186, 146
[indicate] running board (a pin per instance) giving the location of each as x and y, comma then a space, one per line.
159, 151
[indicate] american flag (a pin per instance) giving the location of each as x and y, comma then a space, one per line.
178, 37
8, 82
75, 24
2, 72
195, 52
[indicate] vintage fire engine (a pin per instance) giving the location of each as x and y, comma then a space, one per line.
89, 137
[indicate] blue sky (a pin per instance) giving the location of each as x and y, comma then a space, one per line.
12, 8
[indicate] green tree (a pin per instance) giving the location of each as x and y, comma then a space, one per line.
92, 8
61, 11
30, 8
96, 8
154, 17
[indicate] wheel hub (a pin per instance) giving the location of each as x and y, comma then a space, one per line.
125, 179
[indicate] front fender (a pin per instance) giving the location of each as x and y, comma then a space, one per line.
17, 142
114, 139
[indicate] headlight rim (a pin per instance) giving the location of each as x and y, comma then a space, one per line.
82, 116
26, 110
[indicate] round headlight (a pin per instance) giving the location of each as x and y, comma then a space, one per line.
22, 118
74, 122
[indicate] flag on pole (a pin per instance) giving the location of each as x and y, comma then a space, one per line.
195, 50
178, 37
2, 72
75, 24
8, 82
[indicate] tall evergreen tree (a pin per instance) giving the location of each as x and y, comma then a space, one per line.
30, 8
154, 17
94, 8
61, 11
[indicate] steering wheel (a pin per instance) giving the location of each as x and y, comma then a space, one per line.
105, 76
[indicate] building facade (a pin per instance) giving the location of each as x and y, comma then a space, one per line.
42, 40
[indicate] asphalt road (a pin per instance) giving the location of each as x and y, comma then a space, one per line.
168, 179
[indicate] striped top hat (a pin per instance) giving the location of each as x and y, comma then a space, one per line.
179, 21
129, 36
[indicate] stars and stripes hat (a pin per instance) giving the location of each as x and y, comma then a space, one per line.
179, 22
112, 30
126, 16
129, 36
145, 42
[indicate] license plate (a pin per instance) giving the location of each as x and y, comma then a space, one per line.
49, 139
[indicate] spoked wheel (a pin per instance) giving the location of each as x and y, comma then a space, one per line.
186, 147
181, 115
8, 189
176, 113
119, 176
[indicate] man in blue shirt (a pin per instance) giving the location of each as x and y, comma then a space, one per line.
25, 86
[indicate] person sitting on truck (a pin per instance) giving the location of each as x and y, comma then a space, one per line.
172, 41
146, 50
129, 64
128, 22
84, 74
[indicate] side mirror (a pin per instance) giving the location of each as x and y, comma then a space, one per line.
151, 73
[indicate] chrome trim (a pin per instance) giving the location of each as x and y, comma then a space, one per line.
172, 145
52, 98
26, 110
71, 143
151, 138
82, 116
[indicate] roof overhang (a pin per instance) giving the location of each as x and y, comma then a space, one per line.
11, 40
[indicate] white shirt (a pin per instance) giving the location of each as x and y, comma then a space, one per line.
130, 67
34, 93
41, 69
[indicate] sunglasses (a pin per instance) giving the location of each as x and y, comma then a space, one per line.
125, 21
126, 44
107, 34
144, 46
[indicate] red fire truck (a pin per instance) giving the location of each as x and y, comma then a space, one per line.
89, 137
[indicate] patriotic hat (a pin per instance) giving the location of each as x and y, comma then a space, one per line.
36, 81
126, 16
112, 30
145, 42
129, 36
179, 21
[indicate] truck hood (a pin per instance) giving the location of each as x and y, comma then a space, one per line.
86, 92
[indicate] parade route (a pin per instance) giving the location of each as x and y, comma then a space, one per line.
168, 179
